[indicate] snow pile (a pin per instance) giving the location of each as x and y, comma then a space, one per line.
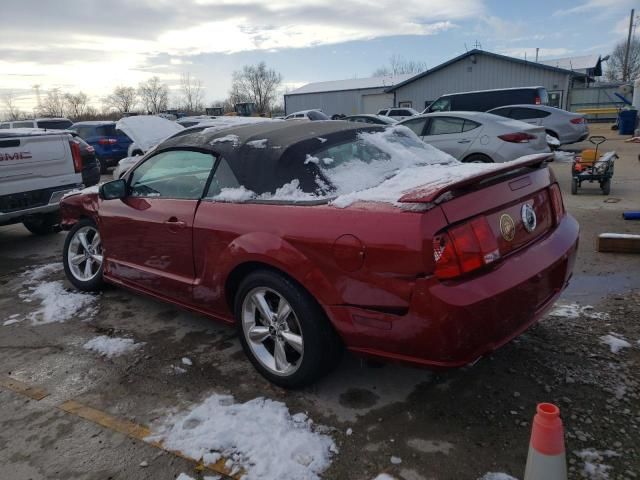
552, 141
258, 143
233, 139
259, 436
187, 361
234, 195
57, 304
593, 468
561, 156
111, 346
497, 476
15, 318
574, 310
615, 342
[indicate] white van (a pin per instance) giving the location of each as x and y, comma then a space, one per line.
46, 123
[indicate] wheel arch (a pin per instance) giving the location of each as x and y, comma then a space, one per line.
478, 154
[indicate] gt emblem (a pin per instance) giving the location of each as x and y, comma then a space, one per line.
529, 219
507, 227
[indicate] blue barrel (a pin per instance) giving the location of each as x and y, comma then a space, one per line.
627, 120
631, 215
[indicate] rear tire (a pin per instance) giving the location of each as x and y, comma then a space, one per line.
297, 345
574, 186
101, 166
477, 158
78, 253
606, 186
43, 224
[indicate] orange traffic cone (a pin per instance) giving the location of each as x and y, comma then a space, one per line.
546, 459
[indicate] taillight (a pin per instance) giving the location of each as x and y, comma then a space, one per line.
517, 137
577, 120
556, 201
107, 141
76, 155
538, 101
464, 248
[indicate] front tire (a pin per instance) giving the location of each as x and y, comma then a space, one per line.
82, 256
284, 331
43, 224
574, 186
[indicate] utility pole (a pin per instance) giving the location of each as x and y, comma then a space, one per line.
625, 65
537, 51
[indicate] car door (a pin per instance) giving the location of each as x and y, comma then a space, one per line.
148, 235
447, 134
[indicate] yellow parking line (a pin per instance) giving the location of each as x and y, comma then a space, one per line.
22, 388
139, 432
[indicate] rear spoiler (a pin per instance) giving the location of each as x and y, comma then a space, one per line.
432, 193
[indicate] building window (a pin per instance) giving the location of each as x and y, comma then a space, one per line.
405, 105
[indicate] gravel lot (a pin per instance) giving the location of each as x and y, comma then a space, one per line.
412, 424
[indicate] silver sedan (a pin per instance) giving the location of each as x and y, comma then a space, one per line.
567, 127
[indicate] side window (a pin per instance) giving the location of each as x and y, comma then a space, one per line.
417, 125
222, 178
469, 125
179, 174
4, 125
84, 132
28, 124
445, 125
503, 112
441, 105
534, 113
524, 114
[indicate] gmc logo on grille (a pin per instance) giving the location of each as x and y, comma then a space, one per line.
5, 157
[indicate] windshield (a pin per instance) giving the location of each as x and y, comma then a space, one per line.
440, 105
317, 115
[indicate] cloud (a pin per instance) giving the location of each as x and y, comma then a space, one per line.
530, 52
600, 7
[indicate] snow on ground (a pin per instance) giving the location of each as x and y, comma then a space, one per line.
497, 476
184, 476
111, 346
574, 310
384, 476
56, 303
615, 342
395, 460
594, 468
259, 436
187, 361
561, 156
258, 143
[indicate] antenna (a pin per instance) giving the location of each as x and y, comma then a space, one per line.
477, 45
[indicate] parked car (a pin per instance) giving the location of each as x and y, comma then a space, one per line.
109, 143
194, 120
478, 136
398, 113
46, 123
372, 119
483, 100
567, 127
146, 136
90, 165
286, 243
36, 169
308, 115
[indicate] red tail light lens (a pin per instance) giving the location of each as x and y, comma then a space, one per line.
538, 101
517, 137
578, 120
107, 141
556, 201
465, 248
76, 155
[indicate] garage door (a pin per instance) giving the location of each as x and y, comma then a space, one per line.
373, 103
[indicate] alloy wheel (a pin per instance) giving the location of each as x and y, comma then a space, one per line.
272, 331
85, 254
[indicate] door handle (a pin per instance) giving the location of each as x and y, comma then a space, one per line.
464, 141
174, 224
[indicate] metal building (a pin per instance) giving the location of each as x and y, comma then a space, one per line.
480, 70
348, 97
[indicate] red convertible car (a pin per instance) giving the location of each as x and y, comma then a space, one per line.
314, 237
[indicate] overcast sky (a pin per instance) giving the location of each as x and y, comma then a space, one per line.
94, 45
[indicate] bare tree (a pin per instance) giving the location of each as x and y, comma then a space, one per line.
399, 66
256, 83
154, 95
76, 104
192, 93
11, 110
123, 99
53, 104
615, 64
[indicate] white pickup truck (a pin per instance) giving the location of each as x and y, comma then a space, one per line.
36, 170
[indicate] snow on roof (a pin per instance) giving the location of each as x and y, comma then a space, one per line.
574, 63
351, 84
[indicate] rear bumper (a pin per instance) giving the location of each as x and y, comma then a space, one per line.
22, 205
452, 324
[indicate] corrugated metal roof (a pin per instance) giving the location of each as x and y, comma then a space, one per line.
583, 62
351, 84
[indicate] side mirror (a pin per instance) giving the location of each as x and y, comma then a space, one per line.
113, 190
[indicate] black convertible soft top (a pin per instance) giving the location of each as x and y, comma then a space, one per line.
266, 166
